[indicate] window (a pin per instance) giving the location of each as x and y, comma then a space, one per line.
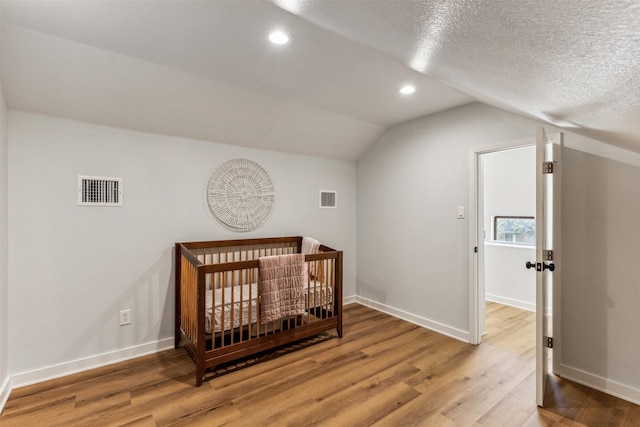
514, 229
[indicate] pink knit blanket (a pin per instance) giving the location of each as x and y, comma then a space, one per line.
281, 286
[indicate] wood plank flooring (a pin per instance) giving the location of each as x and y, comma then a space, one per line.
384, 372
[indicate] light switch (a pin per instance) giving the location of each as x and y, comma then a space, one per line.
460, 212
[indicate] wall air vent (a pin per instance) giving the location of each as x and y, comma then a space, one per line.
328, 199
99, 191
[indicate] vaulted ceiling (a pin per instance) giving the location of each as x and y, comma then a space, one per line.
206, 69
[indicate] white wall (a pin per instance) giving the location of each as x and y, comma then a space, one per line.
509, 184
507, 281
509, 189
72, 269
413, 252
600, 293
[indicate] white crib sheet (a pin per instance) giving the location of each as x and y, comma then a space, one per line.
316, 294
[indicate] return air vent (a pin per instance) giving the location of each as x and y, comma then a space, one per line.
99, 191
327, 199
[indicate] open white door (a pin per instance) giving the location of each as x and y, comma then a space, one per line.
548, 180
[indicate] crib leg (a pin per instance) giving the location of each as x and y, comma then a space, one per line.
200, 370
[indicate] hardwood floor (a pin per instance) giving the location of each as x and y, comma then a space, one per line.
384, 372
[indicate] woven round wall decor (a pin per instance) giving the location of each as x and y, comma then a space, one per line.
240, 195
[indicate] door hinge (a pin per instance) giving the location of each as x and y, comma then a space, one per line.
547, 255
547, 167
475, 249
548, 342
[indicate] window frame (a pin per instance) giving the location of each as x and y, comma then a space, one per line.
494, 235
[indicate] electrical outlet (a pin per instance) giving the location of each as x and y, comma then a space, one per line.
125, 317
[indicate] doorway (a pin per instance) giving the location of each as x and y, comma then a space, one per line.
508, 205
502, 229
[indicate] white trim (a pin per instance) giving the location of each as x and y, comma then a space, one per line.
605, 385
80, 365
510, 245
507, 145
415, 319
475, 334
349, 300
5, 392
511, 302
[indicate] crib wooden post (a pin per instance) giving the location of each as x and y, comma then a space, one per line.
202, 337
338, 299
177, 288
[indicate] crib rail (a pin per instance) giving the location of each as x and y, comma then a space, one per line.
218, 252
217, 298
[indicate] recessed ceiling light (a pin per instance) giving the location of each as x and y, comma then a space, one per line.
407, 90
278, 37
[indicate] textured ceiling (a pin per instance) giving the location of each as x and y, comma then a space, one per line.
571, 63
206, 70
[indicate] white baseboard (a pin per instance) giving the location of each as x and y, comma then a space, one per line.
511, 302
605, 385
348, 300
68, 368
5, 391
415, 319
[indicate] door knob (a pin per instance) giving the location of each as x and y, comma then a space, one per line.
540, 266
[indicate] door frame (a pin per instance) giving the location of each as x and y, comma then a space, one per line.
476, 269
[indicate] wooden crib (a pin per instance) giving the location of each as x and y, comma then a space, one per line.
217, 299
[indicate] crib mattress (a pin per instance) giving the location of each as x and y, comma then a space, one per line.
316, 294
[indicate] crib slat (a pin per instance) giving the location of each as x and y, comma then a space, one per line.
250, 303
222, 307
214, 279
243, 280
314, 292
258, 321
308, 285
234, 311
